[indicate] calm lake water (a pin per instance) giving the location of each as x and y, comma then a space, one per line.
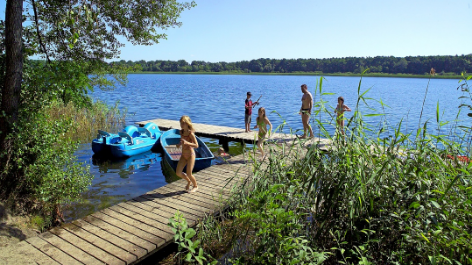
219, 100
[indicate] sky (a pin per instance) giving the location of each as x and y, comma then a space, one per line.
222, 30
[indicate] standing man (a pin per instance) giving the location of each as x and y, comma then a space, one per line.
248, 111
305, 111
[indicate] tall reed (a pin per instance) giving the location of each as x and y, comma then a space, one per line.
88, 120
376, 196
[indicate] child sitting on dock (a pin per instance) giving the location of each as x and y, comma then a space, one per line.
261, 122
221, 156
340, 109
188, 142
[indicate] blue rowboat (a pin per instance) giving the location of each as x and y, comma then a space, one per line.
135, 140
169, 140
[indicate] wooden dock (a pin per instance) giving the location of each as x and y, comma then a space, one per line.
130, 231
223, 133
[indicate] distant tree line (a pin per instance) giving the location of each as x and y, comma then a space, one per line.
379, 64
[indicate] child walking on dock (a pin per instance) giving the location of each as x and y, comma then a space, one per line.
261, 122
340, 109
188, 141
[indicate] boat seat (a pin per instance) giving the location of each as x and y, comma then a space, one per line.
103, 133
145, 131
126, 136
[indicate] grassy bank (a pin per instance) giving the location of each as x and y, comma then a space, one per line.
448, 76
371, 199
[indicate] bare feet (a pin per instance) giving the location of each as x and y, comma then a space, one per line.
302, 137
187, 188
193, 190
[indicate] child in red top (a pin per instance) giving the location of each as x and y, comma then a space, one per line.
248, 111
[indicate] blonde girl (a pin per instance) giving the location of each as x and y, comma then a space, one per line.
261, 122
188, 141
340, 109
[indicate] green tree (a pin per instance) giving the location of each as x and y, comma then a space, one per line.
74, 38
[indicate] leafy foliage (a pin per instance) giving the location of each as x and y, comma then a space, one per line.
183, 238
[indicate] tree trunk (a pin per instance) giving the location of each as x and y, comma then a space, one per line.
13, 68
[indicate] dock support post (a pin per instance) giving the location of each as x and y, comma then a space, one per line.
225, 144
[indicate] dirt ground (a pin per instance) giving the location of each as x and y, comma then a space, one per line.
14, 229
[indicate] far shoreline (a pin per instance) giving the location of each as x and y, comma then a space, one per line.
312, 74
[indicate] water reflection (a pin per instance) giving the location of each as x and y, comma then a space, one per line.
125, 167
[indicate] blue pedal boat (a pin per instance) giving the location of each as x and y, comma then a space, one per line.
169, 140
101, 144
135, 140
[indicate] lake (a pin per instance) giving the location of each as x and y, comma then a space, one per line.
219, 100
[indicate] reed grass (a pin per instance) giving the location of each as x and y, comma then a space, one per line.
86, 121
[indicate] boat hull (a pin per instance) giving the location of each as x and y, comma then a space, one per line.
101, 145
170, 138
123, 150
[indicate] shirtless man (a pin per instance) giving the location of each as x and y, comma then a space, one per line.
305, 111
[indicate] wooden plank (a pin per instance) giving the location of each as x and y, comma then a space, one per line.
214, 185
207, 194
85, 246
210, 191
132, 207
150, 233
210, 179
69, 249
226, 172
224, 175
52, 251
196, 200
213, 191
121, 233
230, 170
180, 202
238, 167
226, 184
164, 210
114, 245
24, 253
149, 238
155, 197
142, 222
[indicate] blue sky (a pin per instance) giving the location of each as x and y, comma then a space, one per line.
250, 29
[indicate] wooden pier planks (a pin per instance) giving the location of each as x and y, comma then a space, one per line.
220, 132
130, 231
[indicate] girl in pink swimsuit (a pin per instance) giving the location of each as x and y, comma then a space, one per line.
188, 143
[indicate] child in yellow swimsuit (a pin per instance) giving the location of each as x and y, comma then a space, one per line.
188, 141
261, 122
340, 109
